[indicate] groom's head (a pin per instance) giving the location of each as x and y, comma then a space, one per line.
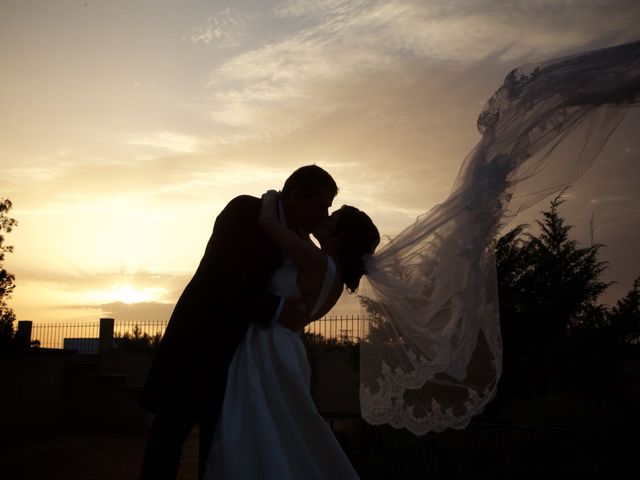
306, 197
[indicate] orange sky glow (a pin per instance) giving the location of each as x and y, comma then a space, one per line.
126, 126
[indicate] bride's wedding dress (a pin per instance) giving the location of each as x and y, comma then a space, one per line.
269, 426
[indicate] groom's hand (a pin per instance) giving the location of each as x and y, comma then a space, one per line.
295, 314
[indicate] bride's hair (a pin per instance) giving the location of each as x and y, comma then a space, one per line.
359, 238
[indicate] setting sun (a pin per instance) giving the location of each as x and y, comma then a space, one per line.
126, 294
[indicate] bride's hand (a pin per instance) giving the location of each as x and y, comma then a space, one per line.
269, 208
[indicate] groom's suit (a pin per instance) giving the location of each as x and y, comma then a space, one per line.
227, 292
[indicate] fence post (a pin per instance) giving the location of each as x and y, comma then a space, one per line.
23, 334
105, 344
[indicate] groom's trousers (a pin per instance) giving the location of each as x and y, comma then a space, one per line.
165, 442
164, 447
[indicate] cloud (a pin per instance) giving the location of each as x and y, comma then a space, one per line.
138, 313
441, 28
607, 199
306, 8
173, 142
72, 294
74, 280
225, 29
346, 42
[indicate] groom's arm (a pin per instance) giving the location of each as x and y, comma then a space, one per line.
239, 261
291, 312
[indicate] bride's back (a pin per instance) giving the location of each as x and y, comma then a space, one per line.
311, 284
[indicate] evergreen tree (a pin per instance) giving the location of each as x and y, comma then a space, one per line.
548, 286
624, 319
566, 277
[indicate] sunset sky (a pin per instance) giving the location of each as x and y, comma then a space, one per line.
126, 126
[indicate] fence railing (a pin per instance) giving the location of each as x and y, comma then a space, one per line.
70, 336
348, 328
109, 334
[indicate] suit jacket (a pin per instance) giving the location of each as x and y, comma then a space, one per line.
226, 294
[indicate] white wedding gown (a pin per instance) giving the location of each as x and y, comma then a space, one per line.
269, 426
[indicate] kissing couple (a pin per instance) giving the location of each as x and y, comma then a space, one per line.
232, 358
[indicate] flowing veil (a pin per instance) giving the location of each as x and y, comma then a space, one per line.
433, 355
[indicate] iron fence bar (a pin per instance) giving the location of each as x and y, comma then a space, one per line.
349, 328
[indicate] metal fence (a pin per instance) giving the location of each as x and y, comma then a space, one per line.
347, 328
85, 337
75, 336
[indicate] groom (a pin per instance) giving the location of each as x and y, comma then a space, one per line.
227, 293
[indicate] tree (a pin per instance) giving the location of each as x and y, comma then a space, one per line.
567, 277
624, 318
548, 287
7, 317
137, 341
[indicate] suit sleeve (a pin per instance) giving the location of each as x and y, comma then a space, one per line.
239, 261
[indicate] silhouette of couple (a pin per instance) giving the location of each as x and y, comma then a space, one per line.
232, 358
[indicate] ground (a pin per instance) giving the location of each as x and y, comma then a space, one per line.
85, 457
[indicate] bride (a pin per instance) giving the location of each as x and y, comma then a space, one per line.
269, 426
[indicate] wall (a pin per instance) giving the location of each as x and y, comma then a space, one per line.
32, 389
47, 389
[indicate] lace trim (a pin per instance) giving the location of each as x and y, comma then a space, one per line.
387, 405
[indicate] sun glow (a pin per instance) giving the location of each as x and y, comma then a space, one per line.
126, 293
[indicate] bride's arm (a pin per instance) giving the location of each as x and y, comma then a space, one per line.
303, 252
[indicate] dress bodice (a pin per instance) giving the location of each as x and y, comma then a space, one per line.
284, 282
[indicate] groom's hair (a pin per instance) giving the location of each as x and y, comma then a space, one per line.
309, 180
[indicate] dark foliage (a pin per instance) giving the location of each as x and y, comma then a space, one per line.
7, 317
624, 320
315, 342
559, 343
137, 341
